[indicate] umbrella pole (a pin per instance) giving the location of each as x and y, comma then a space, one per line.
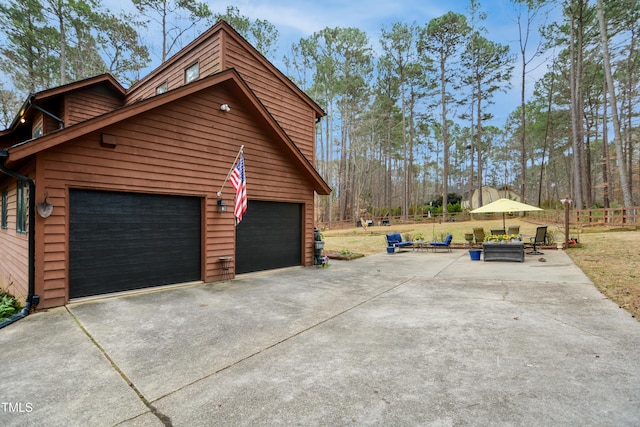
503, 226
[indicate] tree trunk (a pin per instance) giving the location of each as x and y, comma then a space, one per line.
329, 163
622, 167
523, 117
58, 11
405, 195
164, 32
546, 139
411, 171
606, 179
587, 165
576, 116
629, 152
471, 157
479, 141
445, 143
342, 174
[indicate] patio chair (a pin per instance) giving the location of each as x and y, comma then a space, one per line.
539, 239
394, 240
497, 232
513, 229
478, 234
444, 245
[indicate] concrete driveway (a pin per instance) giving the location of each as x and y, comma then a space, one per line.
414, 338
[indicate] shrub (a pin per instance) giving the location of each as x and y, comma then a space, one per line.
9, 306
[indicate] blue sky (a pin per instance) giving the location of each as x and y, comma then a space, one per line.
296, 19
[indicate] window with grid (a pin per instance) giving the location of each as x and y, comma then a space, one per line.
21, 208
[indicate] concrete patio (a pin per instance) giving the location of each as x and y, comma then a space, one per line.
413, 338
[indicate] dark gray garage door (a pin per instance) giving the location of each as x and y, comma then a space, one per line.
126, 241
269, 236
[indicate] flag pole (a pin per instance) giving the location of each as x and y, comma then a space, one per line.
230, 170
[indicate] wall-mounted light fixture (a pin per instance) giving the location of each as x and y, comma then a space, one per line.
225, 107
222, 205
44, 208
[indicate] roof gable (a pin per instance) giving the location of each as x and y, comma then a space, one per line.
43, 100
106, 80
221, 30
230, 78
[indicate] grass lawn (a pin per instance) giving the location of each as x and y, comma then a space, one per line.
611, 259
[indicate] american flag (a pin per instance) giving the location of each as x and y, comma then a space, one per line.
239, 182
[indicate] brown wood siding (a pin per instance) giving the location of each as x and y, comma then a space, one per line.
86, 104
207, 54
51, 241
185, 148
292, 113
49, 125
14, 255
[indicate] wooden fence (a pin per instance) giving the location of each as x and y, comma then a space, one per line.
391, 220
605, 217
585, 218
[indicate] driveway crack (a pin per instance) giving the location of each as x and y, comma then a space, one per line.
165, 420
294, 335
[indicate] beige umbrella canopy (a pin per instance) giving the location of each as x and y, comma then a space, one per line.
505, 206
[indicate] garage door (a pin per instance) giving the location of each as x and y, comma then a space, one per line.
126, 241
269, 236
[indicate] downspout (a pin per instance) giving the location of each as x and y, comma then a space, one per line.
32, 299
43, 111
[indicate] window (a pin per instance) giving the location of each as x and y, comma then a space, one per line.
162, 88
4, 208
191, 73
21, 208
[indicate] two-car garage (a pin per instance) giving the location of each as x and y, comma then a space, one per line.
133, 176
121, 241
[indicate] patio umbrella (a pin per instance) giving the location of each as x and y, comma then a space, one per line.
505, 206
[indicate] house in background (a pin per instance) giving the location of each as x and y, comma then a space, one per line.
107, 190
489, 194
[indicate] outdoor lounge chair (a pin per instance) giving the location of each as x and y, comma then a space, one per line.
478, 234
497, 232
394, 240
539, 239
444, 245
